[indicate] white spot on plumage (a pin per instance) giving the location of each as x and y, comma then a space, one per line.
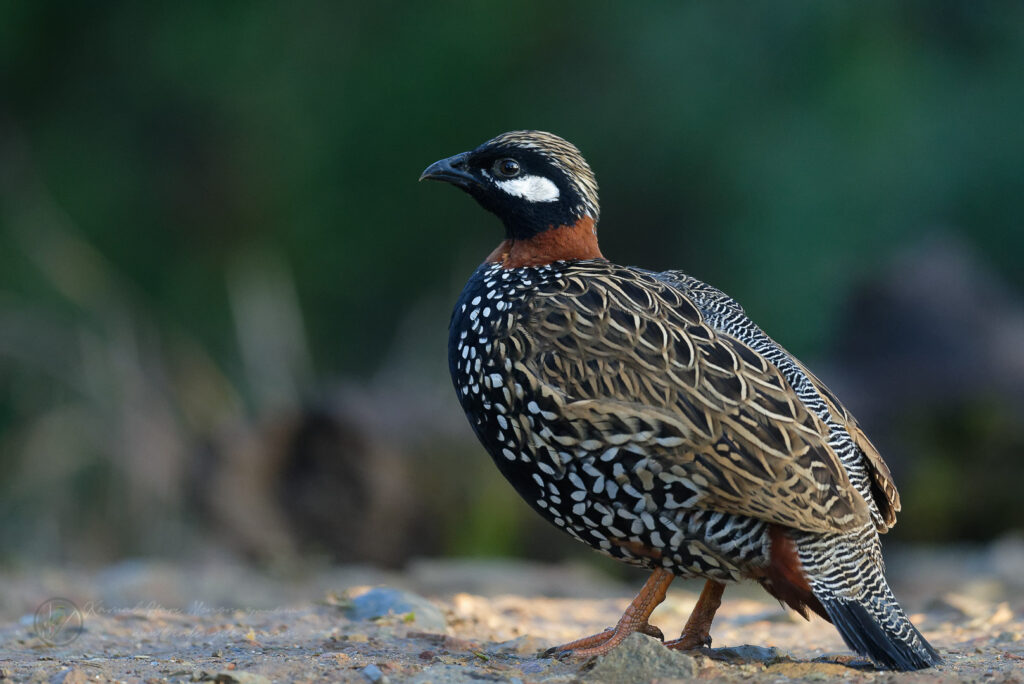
531, 188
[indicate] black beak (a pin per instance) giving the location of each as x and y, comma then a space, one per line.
452, 170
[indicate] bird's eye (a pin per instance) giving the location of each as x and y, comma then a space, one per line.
506, 168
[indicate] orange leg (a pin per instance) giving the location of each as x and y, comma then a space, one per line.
633, 620
696, 633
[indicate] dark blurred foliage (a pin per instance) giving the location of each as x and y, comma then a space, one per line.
224, 298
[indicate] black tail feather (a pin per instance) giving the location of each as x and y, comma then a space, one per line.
870, 637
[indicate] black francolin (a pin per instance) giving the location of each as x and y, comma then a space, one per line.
646, 415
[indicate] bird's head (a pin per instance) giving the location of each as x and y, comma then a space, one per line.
540, 187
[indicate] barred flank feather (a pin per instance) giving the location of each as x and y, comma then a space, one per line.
866, 629
851, 587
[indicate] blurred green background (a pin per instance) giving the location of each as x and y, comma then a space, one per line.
224, 297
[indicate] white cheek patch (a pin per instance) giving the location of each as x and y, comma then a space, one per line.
531, 188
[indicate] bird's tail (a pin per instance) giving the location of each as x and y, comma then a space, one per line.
849, 583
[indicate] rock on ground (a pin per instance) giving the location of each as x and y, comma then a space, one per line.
639, 658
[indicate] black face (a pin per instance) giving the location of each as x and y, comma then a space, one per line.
523, 186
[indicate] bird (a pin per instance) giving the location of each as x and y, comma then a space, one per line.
646, 415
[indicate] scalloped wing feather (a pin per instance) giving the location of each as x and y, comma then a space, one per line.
631, 365
883, 488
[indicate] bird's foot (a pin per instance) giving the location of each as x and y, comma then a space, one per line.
689, 642
697, 632
633, 620
601, 643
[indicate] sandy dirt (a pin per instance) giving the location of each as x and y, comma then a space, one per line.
450, 621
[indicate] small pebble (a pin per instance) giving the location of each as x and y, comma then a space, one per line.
372, 672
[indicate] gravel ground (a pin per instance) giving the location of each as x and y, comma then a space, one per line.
452, 621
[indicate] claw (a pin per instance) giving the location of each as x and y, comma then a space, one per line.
633, 620
696, 633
